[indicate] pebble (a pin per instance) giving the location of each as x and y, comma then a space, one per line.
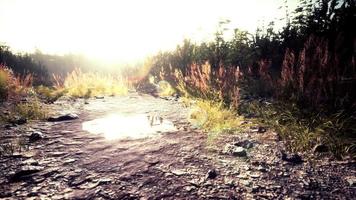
211, 174
37, 135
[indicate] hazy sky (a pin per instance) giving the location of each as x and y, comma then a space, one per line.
123, 29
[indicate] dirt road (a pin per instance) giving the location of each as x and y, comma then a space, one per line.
67, 162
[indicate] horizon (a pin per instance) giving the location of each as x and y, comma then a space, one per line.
124, 32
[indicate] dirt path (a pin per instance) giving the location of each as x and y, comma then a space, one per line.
70, 163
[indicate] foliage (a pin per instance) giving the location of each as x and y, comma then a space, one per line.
12, 86
303, 129
309, 65
215, 118
24, 64
48, 94
90, 84
31, 110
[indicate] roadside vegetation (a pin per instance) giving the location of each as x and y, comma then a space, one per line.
299, 80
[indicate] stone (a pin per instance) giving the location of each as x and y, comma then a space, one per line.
65, 117
30, 161
37, 135
24, 172
245, 144
320, 148
239, 152
293, 158
178, 172
246, 183
254, 175
211, 174
234, 150
18, 120
351, 181
70, 160
261, 168
261, 129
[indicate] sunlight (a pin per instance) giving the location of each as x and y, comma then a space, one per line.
116, 126
122, 30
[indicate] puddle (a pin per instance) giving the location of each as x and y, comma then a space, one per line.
118, 126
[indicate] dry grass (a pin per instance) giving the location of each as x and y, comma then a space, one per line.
90, 84
214, 118
14, 86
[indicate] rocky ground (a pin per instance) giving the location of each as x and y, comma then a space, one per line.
59, 160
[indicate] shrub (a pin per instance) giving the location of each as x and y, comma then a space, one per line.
33, 110
48, 94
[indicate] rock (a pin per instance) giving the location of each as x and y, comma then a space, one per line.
261, 129
229, 181
24, 172
254, 175
37, 135
246, 183
211, 174
239, 152
30, 161
320, 148
178, 172
294, 158
261, 168
242, 176
351, 181
70, 160
65, 117
245, 144
99, 97
18, 120
234, 150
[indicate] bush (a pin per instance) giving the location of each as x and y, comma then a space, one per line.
33, 110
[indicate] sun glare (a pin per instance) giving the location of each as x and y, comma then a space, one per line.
117, 126
122, 30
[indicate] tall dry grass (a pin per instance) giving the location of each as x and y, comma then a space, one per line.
89, 84
14, 86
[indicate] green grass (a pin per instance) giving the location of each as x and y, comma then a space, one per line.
214, 118
303, 129
48, 94
33, 110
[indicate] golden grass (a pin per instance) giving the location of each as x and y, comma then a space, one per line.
214, 118
4, 79
90, 84
165, 89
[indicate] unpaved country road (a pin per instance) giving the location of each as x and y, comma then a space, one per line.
70, 163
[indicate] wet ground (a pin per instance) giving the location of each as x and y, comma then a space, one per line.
141, 147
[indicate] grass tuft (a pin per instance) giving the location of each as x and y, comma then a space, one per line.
214, 118
32, 110
90, 84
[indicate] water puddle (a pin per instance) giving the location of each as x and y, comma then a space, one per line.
119, 126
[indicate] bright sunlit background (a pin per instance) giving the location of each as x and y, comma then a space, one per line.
114, 30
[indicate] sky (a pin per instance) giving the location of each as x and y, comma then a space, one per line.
124, 30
